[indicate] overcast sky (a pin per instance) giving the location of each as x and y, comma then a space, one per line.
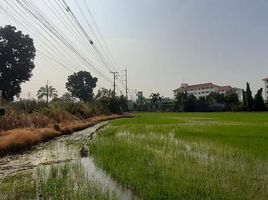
166, 42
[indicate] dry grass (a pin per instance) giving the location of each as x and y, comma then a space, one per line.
21, 139
14, 119
18, 140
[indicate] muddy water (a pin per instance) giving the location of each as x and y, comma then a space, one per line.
62, 150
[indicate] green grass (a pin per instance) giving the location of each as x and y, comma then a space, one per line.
187, 155
61, 182
20, 186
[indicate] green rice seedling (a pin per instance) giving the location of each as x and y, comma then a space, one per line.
187, 155
61, 182
21, 186
66, 181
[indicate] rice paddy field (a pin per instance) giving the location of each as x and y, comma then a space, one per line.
187, 155
168, 156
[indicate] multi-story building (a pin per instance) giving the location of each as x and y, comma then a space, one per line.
204, 89
265, 88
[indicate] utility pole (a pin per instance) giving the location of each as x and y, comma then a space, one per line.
115, 74
126, 83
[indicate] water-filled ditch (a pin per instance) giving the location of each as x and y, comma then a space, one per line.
55, 153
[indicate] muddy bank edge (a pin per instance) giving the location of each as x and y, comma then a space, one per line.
19, 140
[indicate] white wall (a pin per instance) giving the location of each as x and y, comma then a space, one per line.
202, 92
265, 90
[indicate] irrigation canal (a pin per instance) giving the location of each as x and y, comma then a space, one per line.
65, 149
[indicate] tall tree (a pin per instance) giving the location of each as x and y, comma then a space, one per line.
81, 85
245, 105
249, 98
259, 102
17, 53
48, 92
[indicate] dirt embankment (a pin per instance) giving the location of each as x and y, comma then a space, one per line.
17, 140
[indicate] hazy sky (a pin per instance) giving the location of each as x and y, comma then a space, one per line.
166, 42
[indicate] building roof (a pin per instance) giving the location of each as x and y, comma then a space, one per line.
197, 86
206, 85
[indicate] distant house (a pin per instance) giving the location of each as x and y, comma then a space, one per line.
204, 89
265, 88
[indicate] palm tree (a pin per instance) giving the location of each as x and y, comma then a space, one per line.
47, 91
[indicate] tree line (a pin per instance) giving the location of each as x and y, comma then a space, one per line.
17, 54
213, 102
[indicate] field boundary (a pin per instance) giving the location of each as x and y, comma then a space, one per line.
19, 140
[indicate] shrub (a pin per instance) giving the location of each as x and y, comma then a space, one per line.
56, 113
28, 106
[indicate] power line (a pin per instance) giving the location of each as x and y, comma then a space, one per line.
75, 27
53, 42
95, 35
19, 20
101, 36
68, 9
89, 40
39, 16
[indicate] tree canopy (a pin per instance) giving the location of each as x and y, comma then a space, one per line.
17, 53
81, 85
111, 103
67, 97
215, 97
185, 102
